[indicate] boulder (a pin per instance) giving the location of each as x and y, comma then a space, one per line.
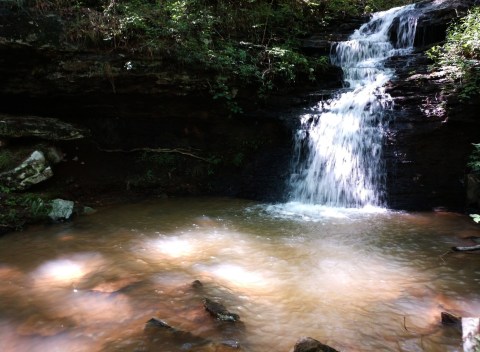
61, 209
31, 171
307, 344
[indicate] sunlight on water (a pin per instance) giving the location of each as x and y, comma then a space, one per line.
174, 247
236, 275
66, 271
360, 280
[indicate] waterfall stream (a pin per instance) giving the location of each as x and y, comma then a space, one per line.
338, 148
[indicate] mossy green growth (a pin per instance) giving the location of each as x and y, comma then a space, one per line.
18, 209
252, 44
460, 55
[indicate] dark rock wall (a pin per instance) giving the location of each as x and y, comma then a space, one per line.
431, 132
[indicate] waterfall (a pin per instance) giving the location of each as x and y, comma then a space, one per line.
338, 148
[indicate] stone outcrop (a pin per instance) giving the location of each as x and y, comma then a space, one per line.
431, 131
435, 18
39, 127
37, 167
31, 171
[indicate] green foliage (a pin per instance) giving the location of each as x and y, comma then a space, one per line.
460, 54
34, 206
17, 209
6, 158
221, 90
474, 159
249, 44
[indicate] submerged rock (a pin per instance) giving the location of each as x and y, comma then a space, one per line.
218, 311
31, 171
164, 336
158, 323
197, 284
307, 344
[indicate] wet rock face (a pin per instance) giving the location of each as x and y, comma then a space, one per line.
430, 131
435, 18
429, 139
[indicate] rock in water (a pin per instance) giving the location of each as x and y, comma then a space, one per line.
61, 209
218, 311
158, 323
307, 344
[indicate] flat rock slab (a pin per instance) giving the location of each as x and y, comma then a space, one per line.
40, 127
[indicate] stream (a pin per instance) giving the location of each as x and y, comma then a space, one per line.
332, 263
356, 279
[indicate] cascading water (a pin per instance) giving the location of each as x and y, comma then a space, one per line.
338, 149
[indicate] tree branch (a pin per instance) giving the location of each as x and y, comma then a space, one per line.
157, 150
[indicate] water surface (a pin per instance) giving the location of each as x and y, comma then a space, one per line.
359, 280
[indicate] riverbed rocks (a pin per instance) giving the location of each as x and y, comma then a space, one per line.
162, 335
218, 311
308, 344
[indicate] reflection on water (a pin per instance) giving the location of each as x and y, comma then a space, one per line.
365, 280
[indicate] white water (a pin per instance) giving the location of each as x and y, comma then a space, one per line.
338, 151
